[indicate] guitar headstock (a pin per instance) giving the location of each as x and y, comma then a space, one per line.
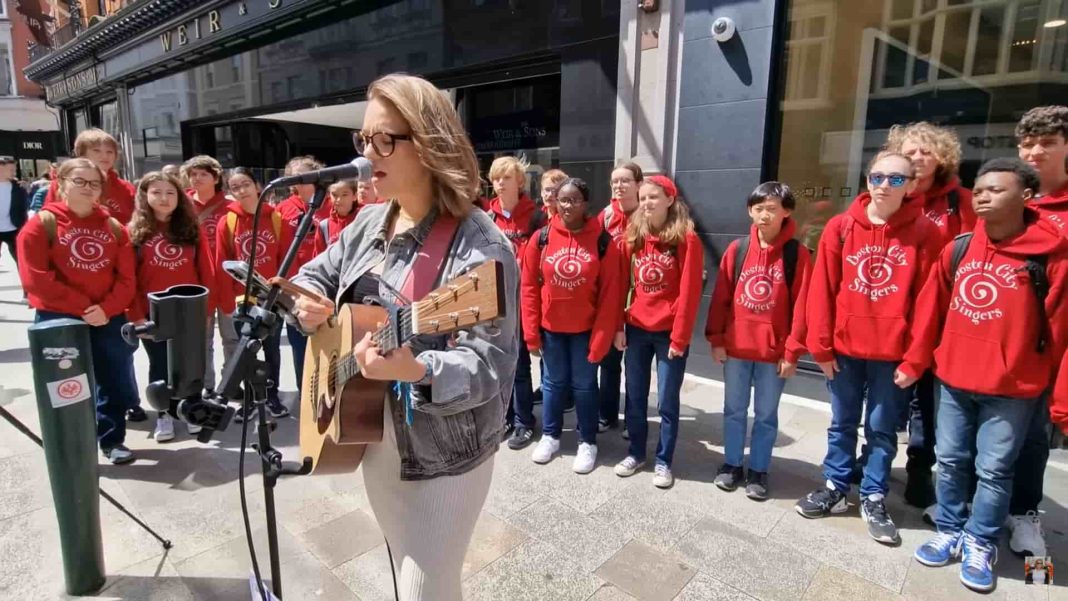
468, 300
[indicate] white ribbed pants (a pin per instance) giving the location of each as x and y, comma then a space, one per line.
428, 523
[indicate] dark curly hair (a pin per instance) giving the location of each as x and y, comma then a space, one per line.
1025, 173
1044, 121
183, 230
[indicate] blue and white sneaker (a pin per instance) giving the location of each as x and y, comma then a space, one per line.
940, 550
977, 567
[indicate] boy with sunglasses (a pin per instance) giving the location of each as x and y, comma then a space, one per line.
995, 350
870, 265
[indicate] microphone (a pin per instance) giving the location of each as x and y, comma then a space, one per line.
360, 168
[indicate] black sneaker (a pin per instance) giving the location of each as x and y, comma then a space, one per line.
244, 413
822, 502
880, 526
136, 414
520, 438
276, 408
536, 397
756, 486
729, 477
919, 489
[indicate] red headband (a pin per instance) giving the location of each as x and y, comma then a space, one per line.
665, 183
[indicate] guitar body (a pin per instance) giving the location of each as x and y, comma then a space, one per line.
340, 411
340, 415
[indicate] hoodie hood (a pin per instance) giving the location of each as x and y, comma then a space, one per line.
911, 209
789, 228
524, 207
1056, 200
64, 214
591, 226
1040, 237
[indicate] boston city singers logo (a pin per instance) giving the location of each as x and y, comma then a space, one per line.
978, 286
650, 271
87, 248
243, 242
165, 254
568, 266
875, 270
759, 284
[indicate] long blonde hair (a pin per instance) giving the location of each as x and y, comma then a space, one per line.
675, 229
439, 138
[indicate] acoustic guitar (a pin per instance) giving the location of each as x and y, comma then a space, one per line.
341, 412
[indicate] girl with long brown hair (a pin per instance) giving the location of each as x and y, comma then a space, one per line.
171, 249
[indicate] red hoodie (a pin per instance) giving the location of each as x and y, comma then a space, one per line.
209, 214
117, 197
84, 266
936, 208
566, 289
520, 224
162, 264
754, 314
269, 250
865, 280
335, 223
980, 330
1054, 208
667, 287
614, 219
293, 210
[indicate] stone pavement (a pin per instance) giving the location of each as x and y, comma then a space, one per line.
546, 533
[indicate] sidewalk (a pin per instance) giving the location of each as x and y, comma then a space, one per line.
545, 534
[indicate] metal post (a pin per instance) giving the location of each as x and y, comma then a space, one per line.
63, 380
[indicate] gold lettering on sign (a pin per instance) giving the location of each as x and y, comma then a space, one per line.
242, 9
196, 28
183, 35
165, 39
274, 3
213, 22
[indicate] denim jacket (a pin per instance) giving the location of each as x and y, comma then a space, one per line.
458, 419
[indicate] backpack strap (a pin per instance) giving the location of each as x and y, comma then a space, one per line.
116, 228
845, 227
603, 240
276, 221
960, 248
953, 200
231, 229
48, 220
1036, 269
543, 241
741, 250
324, 229
608, 212
789, 261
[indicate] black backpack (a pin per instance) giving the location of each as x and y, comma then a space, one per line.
1036, 270
789, 259
953, 198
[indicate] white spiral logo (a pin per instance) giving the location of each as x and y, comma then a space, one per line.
86, 249
875, 274
650, 274
246, 248
568, 267
978, 290
165, 251
758, 287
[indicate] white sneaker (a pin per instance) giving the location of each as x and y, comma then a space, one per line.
628, 467
193, 428
545, 449
585, 459
662, 477
164, 428
1027, 538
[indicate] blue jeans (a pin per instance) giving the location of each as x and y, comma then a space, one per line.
1030, 471
740, 377
884, 406
522, 409
567, 369
116, 388
643, 347
298, 343
978, 436
611, 377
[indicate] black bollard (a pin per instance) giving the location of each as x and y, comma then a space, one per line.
64, 383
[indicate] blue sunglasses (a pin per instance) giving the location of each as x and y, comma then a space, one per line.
896, 179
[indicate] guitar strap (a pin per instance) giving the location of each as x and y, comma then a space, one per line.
430, 258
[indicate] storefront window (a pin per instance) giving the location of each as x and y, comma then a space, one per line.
854, 69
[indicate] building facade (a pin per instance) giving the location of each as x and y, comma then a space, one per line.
29, 130
804, 91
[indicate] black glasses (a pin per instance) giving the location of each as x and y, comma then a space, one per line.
383, 143
896, 179
92, 184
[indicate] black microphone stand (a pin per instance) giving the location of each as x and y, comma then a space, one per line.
258, 322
